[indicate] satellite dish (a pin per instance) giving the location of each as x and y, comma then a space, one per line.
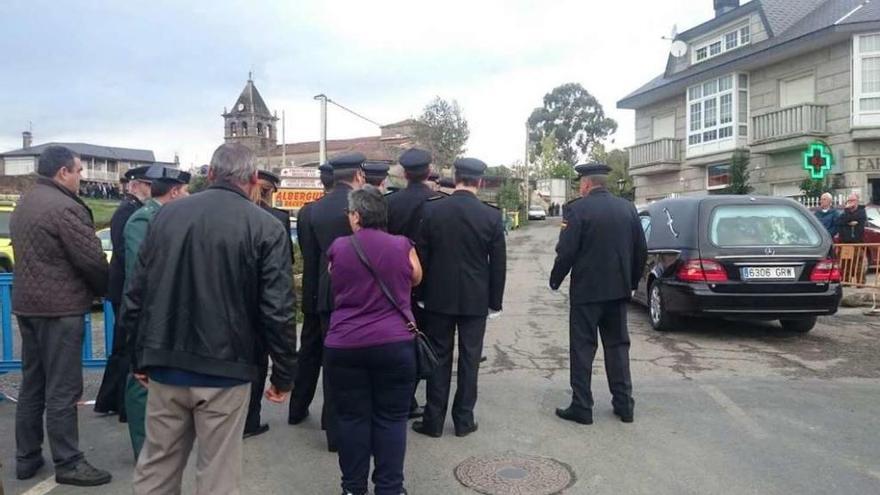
679, 49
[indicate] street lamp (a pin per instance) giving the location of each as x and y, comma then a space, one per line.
620, 184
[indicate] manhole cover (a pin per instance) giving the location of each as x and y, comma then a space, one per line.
514, 474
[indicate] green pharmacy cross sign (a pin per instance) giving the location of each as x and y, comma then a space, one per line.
817, 160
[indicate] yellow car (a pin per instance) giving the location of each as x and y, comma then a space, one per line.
7, 258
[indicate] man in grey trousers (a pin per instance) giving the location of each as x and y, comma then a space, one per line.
60, 271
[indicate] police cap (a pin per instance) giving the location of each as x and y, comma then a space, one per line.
470, 166
377, 170
588, 169
348, 161
325, 168
415, 158
136, 173
170, 174
269, 177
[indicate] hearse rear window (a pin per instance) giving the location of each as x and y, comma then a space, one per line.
761, 225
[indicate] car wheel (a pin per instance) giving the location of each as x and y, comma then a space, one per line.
661, 320
801, 325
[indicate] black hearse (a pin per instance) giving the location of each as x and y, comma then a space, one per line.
737, 256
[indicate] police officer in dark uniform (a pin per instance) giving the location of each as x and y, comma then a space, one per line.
268, 183
112, 392
603, 246
463, 253
375, 173
311, 339
405, 211
329, 221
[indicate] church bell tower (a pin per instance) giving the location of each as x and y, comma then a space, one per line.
250, 122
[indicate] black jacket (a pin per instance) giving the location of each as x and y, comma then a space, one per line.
328, 221
463, 253
127, 207
603, 246
213, 275
311, 260
284, 217
852, 234
406, 209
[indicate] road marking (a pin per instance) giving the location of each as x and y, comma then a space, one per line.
735, 411
43, 487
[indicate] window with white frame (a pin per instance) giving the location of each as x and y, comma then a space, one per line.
729, 40
717, 176
718, 109
866, 79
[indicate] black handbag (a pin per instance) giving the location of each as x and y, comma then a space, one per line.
426, 358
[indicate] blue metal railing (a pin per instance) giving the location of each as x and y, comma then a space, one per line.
10, 363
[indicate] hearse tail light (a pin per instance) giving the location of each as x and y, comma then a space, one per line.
702, 271
826, 271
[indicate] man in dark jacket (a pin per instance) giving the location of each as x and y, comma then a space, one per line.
110, 395
60, 270
851, 223
212, 277
328, 221
463, 253
311, 339
406, 208
827, 214
603, 246
268, 184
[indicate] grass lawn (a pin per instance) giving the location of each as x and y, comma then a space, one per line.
102, 210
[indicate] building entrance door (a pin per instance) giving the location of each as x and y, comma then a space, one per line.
874, 189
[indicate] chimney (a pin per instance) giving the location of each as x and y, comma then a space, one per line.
724, 6
26, 139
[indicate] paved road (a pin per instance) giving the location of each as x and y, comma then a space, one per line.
721, 407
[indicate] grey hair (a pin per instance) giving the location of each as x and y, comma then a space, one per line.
826, 195
233, 162
370, 204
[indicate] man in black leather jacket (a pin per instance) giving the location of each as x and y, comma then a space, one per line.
213, 277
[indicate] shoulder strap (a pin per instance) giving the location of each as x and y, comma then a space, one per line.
363, 257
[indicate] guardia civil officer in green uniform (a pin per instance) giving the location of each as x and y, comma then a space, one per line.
603, 246
166, 184
463, 253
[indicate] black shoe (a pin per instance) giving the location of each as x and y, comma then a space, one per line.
571, 415
27, 472
83, 474
419, 427
625, 416
263, 428
295, 419
416, 412
466, 431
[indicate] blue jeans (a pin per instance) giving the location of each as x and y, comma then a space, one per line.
372, 389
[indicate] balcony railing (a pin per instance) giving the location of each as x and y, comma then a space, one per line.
807, 119
662, 155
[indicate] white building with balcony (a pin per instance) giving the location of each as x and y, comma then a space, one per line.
770, 77
101, 164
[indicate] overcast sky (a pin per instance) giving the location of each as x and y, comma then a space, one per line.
158, 74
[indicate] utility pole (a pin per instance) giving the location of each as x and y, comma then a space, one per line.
323, 143
283, 141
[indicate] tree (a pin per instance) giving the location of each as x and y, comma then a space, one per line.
575, 117
618, 160
443, 130
739, 174
509, 197
198, 183
549, 163
813, 188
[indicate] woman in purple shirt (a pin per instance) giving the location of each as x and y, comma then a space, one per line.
369, 353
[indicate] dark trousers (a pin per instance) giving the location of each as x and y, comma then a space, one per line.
372, 387
419, 315
441, 330
258, 386
51, 382
328, 410
111, 395
587, 321
311, 348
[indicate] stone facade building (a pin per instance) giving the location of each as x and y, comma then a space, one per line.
793, 83
251, 123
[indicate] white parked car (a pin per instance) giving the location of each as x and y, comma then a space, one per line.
537, 213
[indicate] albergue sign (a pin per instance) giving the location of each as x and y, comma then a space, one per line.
294, 199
